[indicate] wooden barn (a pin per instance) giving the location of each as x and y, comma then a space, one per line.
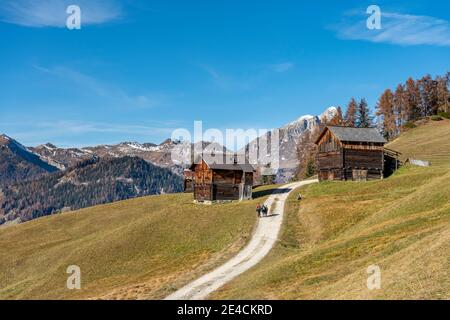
347, 153
221, 182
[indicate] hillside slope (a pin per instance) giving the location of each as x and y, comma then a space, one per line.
401, 224
430, 141
142, 248
93, 182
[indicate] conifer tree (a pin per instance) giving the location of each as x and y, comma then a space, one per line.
427, 88
363, 116
340, 115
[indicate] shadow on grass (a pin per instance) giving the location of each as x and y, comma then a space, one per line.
263, 193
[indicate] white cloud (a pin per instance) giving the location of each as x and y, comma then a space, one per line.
52, 13
400, 29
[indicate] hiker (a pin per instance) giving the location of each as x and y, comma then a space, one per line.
265, 210
258, 210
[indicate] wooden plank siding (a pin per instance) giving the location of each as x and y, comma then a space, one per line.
345, 160
220, 184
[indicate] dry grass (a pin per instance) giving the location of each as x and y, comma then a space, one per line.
401, 224
137, 249
426, 142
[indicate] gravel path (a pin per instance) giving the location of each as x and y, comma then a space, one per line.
259, 246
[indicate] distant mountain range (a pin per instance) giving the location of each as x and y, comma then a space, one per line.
43, 180
46, 179
61, 158
28, 162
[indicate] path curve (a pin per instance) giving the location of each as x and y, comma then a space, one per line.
261, 243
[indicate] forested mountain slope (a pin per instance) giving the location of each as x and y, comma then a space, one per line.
89, 183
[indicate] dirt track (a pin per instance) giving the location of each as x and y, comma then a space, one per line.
259, 246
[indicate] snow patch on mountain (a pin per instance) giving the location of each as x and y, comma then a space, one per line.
289, 135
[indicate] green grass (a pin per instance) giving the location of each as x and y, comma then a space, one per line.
143, 248
329, 239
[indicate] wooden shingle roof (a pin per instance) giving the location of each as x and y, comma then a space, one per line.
351, 134
227, 164
233, 167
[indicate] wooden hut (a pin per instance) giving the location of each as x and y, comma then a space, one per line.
222, 182
347, 153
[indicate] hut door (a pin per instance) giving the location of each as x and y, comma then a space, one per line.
360, 175
331, 175
203, 192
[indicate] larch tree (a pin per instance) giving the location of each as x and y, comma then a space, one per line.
443, 96
307, 152
386, 115
412, 100
400, 106
338, 119
350, 114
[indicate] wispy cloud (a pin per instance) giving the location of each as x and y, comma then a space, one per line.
399, 29
104, 90
248, 78
77, 127
229, 82
282, 67
52, 13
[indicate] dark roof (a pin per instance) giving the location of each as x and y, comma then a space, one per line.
226, 165
350, 134
234, 167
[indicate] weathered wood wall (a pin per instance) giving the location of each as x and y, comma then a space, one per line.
358, 161
214, 185
363, 159
203, 182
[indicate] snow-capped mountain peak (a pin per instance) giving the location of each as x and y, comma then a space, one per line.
49, 146
329, 114
289, 136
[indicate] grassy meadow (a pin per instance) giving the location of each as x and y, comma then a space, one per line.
329, 239
142, 248
148, 247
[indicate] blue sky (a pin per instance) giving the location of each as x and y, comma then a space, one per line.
139, 69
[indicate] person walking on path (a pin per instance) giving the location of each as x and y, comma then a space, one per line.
258, 210
265, 210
